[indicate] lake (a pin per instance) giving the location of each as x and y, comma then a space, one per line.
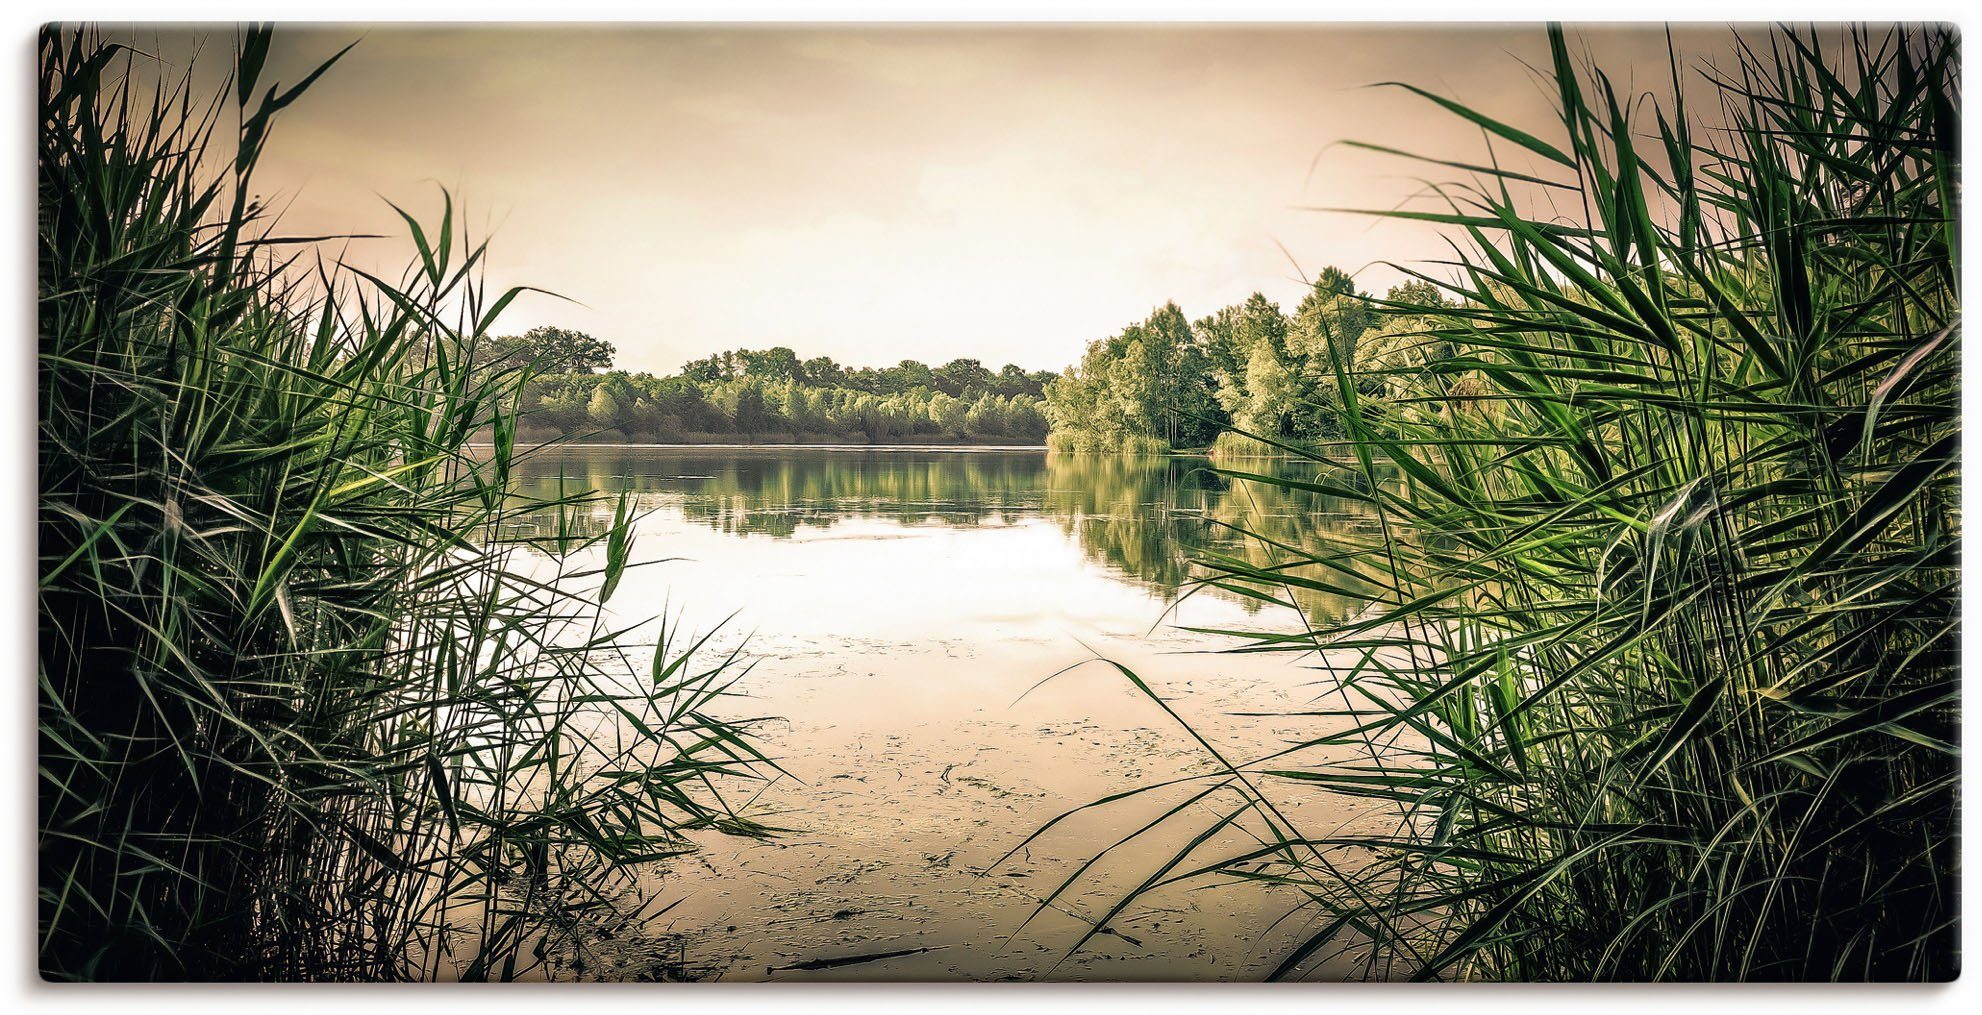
913, 615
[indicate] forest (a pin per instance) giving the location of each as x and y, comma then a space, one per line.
1239, 380
1245, 377
767, 395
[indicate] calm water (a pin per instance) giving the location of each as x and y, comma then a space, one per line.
905, 610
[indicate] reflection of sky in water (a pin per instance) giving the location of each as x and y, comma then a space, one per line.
1141, 518
903, 610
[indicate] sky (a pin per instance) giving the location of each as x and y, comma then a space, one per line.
876, 193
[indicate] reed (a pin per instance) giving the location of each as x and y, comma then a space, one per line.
1084, 443
321, 697
1656, 677
1233, 445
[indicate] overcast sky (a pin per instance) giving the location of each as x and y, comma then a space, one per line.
876, 194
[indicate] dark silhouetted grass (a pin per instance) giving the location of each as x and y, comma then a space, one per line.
1659, 677
309, 708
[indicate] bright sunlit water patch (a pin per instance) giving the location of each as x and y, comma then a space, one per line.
918, 622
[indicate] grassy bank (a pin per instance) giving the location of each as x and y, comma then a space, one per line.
1086, 443
530, 434
1656, 677
309, 708
1232, 446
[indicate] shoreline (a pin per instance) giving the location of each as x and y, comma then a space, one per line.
782, 446
966, 449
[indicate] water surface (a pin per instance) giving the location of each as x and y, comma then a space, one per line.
908, 612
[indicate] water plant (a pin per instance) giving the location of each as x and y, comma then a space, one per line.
1656, 674
312, 705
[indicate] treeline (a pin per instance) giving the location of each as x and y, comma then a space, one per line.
1169, 383
770, 393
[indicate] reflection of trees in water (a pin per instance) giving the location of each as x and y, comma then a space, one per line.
776, 493
1154, 518
1138, 515
777, 497
1145, 518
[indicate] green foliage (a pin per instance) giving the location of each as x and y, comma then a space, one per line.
1145, 388
1657, 676
1083, 442
550, 350
1330, 321
756, 395
1247, 367
309, 707
1232, 445
1269, 390
603, 408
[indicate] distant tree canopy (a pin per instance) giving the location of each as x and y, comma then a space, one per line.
554, 351
1164, 383
958, 378
771, 393
1152, 382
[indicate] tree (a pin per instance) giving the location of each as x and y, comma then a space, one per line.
906, 376
1397, 347
749, 411
563, 409
1149, 384
643, 417
772, 391
1134, 382
551, 350
1025, 420
721, 366
1189, 412
1329, 322
1269, 393
804, 407
1220, 340
603, 409
774, 364
986, 418
948, 413
682, 403
1013, 381
1071, 401
963, 378
821, 371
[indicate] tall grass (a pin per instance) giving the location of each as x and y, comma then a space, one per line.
310, 707
1067, 442
1233, 445
1657, 676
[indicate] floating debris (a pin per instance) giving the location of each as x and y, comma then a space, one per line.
849, 960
